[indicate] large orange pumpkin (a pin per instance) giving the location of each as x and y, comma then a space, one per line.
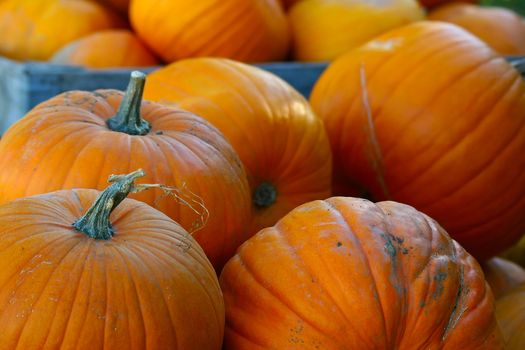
502, 275
77, 139
510, 312
282, 144
349, 274
106, 49
325, 29
246, 30
130, 279
501, 28
428, 115
36, 29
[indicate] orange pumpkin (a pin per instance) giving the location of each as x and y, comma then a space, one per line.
246, 30
36, 29
106, 49
428, 115
510, 312
502, 275
501, 28
282, 144
325, 29
124, 276
77, 139
349, 274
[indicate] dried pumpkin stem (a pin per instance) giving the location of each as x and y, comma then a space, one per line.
95, 223
128, 118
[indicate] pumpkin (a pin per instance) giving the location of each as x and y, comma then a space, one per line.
431, 3
123, 276
428, 115
501, 28
510, 312
245, 30
325, 29
516, 253
77, 139
345, 273
36, 29
92, 51
502, 275
279, 139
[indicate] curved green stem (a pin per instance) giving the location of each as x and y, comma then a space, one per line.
264, 195
95, 223
128, 118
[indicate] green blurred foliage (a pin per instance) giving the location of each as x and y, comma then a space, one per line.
516, 5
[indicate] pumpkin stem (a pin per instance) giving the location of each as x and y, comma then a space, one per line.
95, 223
264, 195
128, 118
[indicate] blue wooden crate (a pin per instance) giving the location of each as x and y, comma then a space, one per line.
24, 85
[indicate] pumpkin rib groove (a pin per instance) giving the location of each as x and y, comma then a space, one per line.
489, 163
271, 293
300, 262
452, 319
248, 340
152, 274
457, 143
135, 296
438, 94
44, 285
335, 211
77, 288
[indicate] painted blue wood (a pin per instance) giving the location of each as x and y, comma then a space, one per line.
24, 85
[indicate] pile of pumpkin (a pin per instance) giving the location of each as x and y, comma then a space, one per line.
141, 33
365, 218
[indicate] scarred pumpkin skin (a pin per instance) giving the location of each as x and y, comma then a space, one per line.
502, 275
510, 312
429, 116
279, 139
501, 28
149, 287
106, 49
66, 143
244, 30
345, 273
36, 29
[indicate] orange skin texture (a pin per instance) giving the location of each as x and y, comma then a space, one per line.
106, 49
149, 286
271, 126
244, 30
36, 29
325, 29
429, 116
65, 143
510, 312
346, 273
502, 29
502, 275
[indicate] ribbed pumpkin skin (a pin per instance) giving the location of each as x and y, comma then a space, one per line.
510, 312
245, 30
429, 116
325, 29
149, 287
271, 126
502, 275
65, 143
106, 49
500, 28
349, 274
36, 29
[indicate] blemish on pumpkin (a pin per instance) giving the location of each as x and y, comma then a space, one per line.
159, 132
439, 278
296, 332
339, 244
